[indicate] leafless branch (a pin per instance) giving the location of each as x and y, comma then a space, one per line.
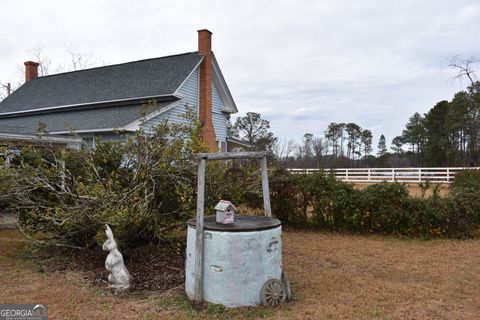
464, 68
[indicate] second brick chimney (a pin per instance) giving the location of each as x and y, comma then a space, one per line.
31, 70
205, 107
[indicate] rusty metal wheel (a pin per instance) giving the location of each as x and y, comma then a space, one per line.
273, 293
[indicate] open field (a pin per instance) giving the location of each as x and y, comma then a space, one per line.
334, 277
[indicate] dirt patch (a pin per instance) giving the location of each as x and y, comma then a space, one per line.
152, 267
334, 276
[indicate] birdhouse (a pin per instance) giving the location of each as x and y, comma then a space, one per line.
225, 212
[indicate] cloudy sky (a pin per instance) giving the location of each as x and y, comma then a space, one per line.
301, 64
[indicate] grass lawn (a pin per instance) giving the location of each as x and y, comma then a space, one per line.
334, 277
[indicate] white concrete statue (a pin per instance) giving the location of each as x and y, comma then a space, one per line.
119, 277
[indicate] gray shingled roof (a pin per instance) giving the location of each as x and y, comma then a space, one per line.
152, 77
86, 119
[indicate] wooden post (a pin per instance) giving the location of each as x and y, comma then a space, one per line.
265, 189
198, 281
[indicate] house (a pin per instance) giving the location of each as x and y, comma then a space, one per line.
99, 102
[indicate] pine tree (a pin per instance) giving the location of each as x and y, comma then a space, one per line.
382, 147
255, 130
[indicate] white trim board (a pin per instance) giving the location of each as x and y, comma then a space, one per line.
222, 88
136, 125
188, 77
121, 129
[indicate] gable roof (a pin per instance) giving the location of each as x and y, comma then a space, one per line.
223, 205
132, 80
104, 98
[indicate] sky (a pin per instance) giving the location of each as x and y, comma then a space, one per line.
300, 64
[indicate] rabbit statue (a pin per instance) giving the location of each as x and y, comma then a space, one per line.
119, 277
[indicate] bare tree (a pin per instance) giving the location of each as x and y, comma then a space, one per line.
78, 60
39, 56
6, 88
284, 149
75, 60
5, 91
464, 68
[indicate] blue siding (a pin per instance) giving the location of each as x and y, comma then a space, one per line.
219, 118
190, 88
189, 91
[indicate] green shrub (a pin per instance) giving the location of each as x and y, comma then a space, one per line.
466, 193
147, 189
382, 208
467, 180
289, 197
331, 200
6, 184
236, 181
322, 202
144, 189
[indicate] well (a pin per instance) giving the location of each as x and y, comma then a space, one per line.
238, 259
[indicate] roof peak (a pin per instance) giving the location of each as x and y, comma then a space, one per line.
118, 64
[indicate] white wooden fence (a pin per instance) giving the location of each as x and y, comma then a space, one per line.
410, 175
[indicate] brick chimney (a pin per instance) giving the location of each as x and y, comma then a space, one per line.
205, 108
31, 70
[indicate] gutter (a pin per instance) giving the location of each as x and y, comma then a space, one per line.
89, 105
39, 138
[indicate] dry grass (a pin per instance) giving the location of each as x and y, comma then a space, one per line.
334, 277
414, 189
358, 277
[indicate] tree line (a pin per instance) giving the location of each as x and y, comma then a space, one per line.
447, 135
341, 145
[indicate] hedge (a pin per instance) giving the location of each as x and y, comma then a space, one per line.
320, 201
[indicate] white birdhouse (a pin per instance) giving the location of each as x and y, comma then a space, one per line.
225, 212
